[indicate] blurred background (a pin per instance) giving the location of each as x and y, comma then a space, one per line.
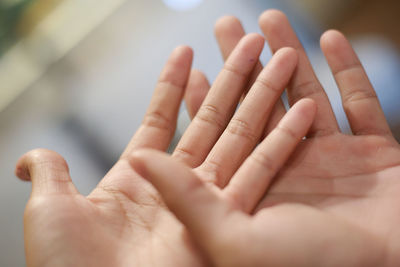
76, 76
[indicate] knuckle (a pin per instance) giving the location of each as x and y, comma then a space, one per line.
288, 132
211, 170
183, 154
264, 160
357, 95
158, 120
310, 88
348, 69
169, 84
241, 128
308, 84
230, 68
210, 114
267, 84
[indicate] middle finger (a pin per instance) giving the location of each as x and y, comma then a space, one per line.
220, 103
246, 127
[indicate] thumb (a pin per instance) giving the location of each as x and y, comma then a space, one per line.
48, 172
190, 199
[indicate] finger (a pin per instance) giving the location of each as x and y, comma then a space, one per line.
360, 101
184, 194
220, 103
229, 31
245, 128
48, 172
158, 126
279, 33
253, 178
196, 91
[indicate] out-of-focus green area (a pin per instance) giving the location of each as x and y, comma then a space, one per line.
10, 14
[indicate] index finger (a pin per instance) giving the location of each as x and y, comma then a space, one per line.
158, 126
228, 32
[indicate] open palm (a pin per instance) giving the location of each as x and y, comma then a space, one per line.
336, 202
352, 178
124, 221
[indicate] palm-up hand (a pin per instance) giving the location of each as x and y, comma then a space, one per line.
124, 222
336, 202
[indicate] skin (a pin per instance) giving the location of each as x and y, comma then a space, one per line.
124, 221
336, 202
333, 203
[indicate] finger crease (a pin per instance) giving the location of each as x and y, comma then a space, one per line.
264, 160
287, 131
359, 95
170, 84
210, 114
182, 153
233, 70
268, 85
242, 128
157, 120
355, 66
306, 89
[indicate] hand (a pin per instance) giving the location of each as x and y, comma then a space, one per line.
336, 202
124, 222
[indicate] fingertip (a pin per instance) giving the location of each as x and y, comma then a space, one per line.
226, 24
288, 50
272, 17
29, 160
139, 160
256, 37
247, 52
307, 107
183, 50
22, 172
197, 73
48, 172
289, 54
253, 42
282, 64
278, 30
331, 39
177, 68
21, 168
338, 51
184, 54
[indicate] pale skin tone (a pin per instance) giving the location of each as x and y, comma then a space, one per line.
124, 221
334, 203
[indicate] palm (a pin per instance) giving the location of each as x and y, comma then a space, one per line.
123, 222
347, 181
326, 207
354, 178
334, 203
326, 171
117, 226
149, 231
